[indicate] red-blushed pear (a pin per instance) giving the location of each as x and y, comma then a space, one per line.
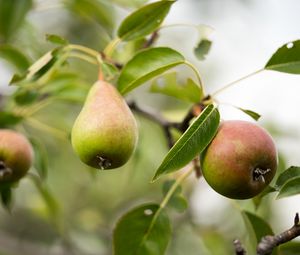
240, 161
105, 132
16, 156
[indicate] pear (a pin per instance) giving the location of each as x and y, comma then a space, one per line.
105, 132
16, 156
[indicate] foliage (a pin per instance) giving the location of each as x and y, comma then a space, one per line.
72, 200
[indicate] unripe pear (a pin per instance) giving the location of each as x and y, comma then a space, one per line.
16, 156
240, 161
105, 132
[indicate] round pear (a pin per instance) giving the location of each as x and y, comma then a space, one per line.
240, 161
16, 156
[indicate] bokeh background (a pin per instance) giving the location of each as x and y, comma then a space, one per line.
74, 212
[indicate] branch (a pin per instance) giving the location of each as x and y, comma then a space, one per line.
154, 36
156, 117
268, 243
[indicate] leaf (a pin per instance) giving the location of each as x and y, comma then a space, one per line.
100, 11
290, 188
8, 119
109, 71
147, 64
56, 39
12, 15
15, 57
202, 49
52, 60
260, 226
286, 59
192, 142
291, 172
6, 196
40, 158
252, 114
177, 200
144, 21
257, 228
290, 248
131, 3
169, 85
145, 230
25, 96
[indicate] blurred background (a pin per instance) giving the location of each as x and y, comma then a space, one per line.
75, 210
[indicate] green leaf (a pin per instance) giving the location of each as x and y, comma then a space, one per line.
15, 57
109, 71
257, 228
8, 119
47, 64
144, 21
192, 142
290, 188
177, 200
40, 158
286, 59
147, 64
12, 15
100, 11
25, 96
67, 87
203, 46
169, 85
145, 230
290, 248
202, 49
130, 3
56, 39
6, 196
291, 172
252, 114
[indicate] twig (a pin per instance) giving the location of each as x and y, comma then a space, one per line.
197, 167
268, 243
156, 117
239, 249
154, 36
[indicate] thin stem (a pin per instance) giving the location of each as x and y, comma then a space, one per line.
197, 74
173, 188
183, 25
234, 82
87, 50
83, 57
111, 47
45, 127
166, 200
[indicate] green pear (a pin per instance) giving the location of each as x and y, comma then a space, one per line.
105, 132
16, 156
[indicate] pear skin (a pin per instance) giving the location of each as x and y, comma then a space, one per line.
104, 135
16, 156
